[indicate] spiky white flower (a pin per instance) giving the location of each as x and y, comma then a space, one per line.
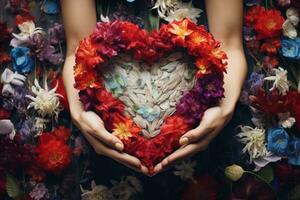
285, 120
98, 192
126, 188
185, 170
164, 7
27, 29
45, 101
280, 80
186, 10
254, 140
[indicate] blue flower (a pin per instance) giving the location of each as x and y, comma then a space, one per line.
50, 6
116, 84
294, 152
278, 140
148, 113
21, 60
290, 48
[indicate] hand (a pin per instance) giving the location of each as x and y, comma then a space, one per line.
103, 142
198, 139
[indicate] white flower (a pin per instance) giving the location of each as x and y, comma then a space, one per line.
254, 140
264, 160
289, 30
280, 80
171, 10
10, 79
27, 29
40, 124
285, 120
127, 187
292, 14
185, 170
45, 102
104, 19
185, 11
98, 192
164, 7
289, 26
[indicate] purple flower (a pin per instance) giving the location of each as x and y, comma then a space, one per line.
39, 192
19, 100
27, 128
56, 33
190, 105
210, 88
255, 81
44, 50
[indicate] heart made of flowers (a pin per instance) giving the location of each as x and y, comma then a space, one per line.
149, 88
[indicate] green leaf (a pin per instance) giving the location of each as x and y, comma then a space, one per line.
154, 21
13, 187
294, 193
267, 173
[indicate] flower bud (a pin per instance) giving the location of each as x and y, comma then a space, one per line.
234, 172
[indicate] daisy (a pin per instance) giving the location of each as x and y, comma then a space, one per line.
254, 140
45, 101
280, 80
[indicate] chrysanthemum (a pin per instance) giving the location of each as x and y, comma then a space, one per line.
185, 170
185, 11
254, 140
280, 80
45, 101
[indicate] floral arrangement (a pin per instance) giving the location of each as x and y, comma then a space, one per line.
110, 39
44, 156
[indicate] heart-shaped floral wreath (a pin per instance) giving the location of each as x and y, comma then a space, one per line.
111, 40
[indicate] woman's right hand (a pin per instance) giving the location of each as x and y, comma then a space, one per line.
103, 142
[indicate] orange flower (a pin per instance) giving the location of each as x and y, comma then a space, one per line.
87, 80
204, 67
269, 24
87, 54
271, 46
181, 30
125, 130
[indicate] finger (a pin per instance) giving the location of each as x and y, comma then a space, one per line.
196, 134
107, 138
122, 158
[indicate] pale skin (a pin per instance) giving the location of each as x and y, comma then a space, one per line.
225, 23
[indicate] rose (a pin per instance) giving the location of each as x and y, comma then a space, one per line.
278, 140
291, 48
21, 60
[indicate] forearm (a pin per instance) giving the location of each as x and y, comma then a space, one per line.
234, 79
72, 94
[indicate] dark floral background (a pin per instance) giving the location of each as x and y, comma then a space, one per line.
43, 156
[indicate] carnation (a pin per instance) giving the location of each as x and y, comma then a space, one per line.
52, 154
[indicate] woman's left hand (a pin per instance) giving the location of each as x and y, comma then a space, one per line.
198, 139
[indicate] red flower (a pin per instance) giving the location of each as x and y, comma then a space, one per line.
35, 173
86, 79
20, 19
269, 104
205, 189
252, 15
4, 114
269, 24
86, 54
4, 57
52, 154
270, 62
61, 90
62, 133
270, 46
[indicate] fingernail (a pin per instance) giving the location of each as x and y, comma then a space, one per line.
184, 141
119, 146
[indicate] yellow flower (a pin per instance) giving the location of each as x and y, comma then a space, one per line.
181, 29
122, 131
234, 172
